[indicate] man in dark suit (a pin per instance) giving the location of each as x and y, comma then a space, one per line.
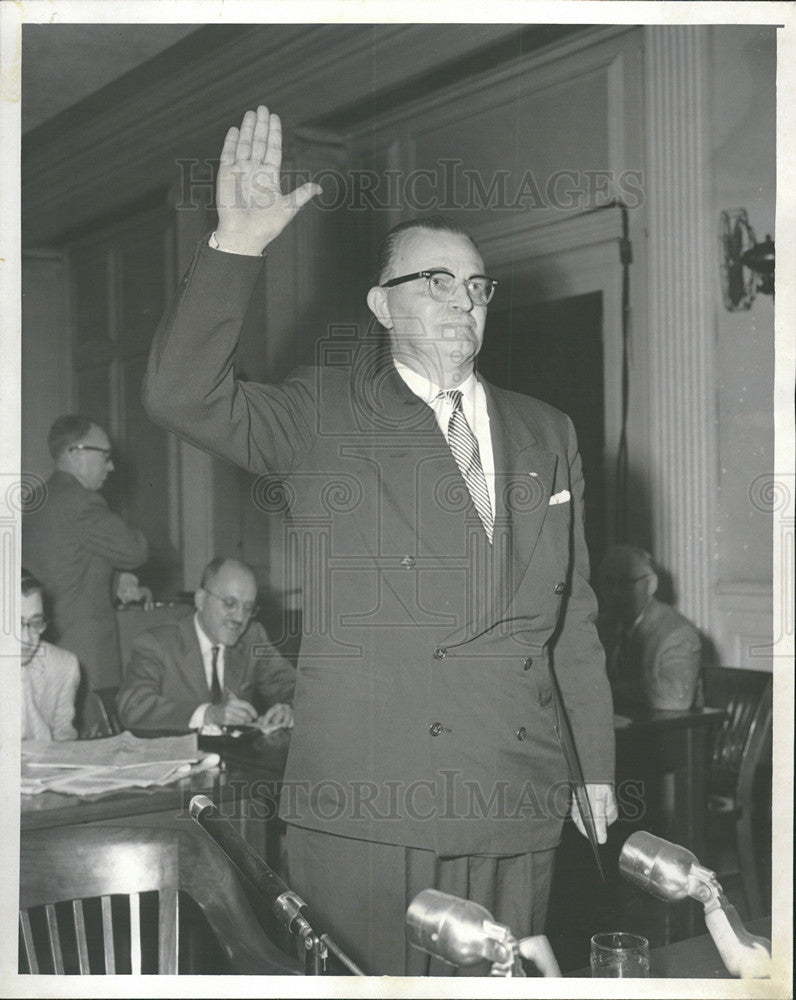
73, 543
440, 525
211, 667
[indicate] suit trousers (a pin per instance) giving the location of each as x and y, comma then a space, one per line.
361, 890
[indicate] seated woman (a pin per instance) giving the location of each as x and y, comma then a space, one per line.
50, 675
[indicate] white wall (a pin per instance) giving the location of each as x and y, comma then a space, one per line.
743, 138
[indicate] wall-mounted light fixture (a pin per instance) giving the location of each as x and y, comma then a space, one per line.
747, 267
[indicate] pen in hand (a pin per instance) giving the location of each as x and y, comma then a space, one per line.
232, 710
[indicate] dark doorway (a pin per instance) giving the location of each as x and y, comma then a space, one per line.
554, 351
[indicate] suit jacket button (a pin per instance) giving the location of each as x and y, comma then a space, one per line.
528, 663
521, 733
440, 654
435, 728
408, 562
560, 588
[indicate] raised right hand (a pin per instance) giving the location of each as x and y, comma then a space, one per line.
232, 712
252, 211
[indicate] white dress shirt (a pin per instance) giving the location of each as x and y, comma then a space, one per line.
206, 647
473, 406
49, 685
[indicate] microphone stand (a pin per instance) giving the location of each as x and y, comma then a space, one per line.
287, 906
672, 873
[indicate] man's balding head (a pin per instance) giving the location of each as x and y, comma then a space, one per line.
81, 448
226, 600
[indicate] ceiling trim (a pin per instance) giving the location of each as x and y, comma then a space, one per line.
126, 138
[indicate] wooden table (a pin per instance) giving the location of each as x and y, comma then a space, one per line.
698, 957
695, 958
245, 788
668, 751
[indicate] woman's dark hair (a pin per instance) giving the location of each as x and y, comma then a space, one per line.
30, 585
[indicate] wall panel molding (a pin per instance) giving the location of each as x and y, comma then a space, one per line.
744, 615
191, 481
45, 354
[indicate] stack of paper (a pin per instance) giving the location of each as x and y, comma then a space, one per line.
88, 767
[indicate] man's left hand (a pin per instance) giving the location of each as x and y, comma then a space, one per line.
278, 716
603, 808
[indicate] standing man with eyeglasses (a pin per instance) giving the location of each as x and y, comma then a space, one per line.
74, 543
439, 521
216, 666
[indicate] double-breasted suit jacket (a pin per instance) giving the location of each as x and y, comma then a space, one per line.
424, 708
165, 682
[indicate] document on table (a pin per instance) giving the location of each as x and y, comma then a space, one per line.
89, 767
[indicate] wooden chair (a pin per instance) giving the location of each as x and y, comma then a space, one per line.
741, 743
82, 868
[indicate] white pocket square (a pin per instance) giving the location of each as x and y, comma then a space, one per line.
562, 497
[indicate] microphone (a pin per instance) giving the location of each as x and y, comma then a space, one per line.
659, 867
458, 931
462, 932
671, 873
289, 908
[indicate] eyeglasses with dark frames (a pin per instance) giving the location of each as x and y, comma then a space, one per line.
107, 452
233, 604
36, 624
441, 285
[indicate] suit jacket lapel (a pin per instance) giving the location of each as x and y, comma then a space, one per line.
418, 466
524, 478
419, 478
191, 663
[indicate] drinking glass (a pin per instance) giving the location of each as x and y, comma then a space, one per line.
618, 955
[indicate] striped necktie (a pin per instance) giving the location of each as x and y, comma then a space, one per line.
463, 444
215, 684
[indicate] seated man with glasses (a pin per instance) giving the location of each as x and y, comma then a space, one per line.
214, 667
50, 675
74, 544
654, 653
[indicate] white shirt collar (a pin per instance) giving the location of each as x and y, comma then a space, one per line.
427, 390
205, 643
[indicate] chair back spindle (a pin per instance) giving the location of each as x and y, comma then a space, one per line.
741, 744
73, 884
